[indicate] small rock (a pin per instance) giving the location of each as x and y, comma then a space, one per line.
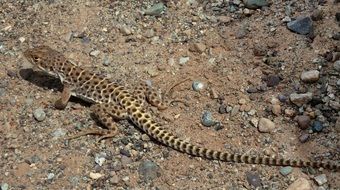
286, 170
320, 179
300, 99
310, 76
50, 176
125, 30
155, 10
276, 109
96, 175
253, 179
148, 170
304, 138
273, 80
22, 39
125, 152
145, 137
95, 53
252, 89
303, 121
207, 119
289, 112
59, 133
302, 25
282, 98
197, 86
254, 121
242, 101
235, 110
255, 4
183, 60
222, 109
265, 125
317, 126
300, 184
106, 61
114, 178
149, 33
39, 114
100, 158
197, 47
4, 186
337, 65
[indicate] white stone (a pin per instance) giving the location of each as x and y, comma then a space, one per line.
266, 126
96, 175
310, 76
321, 179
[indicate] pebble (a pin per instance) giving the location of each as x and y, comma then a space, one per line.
39, 114
106, 61
302, 25
59, 133
197, 86
253, 179
207, 119
22, 39
276, 109
50, 176
265, 125
148, 170
289, 112
145, 137
254, 121
252, 89
95, 53
286, 170
300, 184
242, 101
183, 60
310, 76
337, 65
255, 4
222, 109
96, 175
155, 10
198, 47
100, 158
300, 99
304, 137
317, 126
125, 30
303, 121
273, 80
282, 98
114, 178
336, 36
321, 179
125, 152
4, 186
235, 110
252, 112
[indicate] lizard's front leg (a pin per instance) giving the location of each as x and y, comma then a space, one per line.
61, 103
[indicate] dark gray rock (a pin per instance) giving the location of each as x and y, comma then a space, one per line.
148, 170
302, 25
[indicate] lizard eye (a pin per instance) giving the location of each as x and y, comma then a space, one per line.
36, 58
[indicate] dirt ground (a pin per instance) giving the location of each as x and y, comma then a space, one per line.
248, 61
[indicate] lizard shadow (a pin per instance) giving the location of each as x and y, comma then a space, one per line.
44, 80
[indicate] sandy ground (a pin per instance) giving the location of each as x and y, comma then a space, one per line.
228, 52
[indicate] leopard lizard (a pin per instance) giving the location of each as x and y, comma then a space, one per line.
113, 101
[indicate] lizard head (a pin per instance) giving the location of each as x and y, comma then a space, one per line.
39, 57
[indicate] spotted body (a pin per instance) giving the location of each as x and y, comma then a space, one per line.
114, 99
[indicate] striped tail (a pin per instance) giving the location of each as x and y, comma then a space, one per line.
174, 142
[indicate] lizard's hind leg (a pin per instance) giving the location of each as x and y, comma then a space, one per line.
106, 114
